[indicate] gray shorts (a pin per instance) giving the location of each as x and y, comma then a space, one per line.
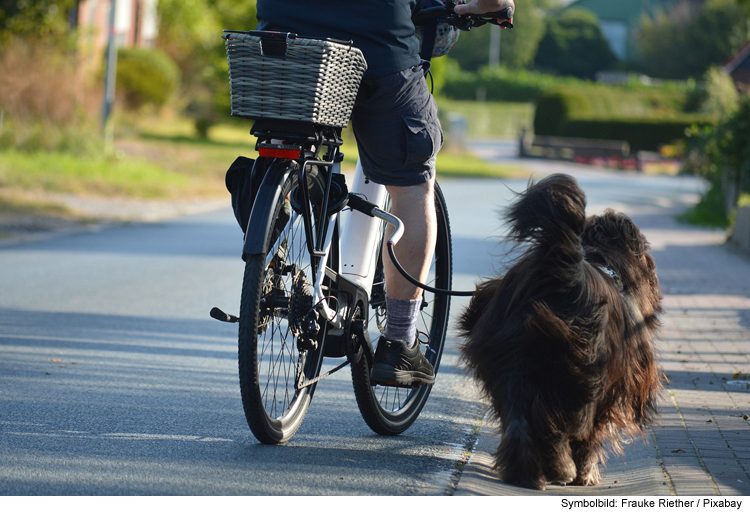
395, 122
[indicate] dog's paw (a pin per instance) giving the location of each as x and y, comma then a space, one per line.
562, 481
561, 470
522, 480
590, 478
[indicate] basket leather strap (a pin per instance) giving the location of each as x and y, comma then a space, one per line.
274, 45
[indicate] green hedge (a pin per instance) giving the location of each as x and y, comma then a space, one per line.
646, 118
643, 134
557, 106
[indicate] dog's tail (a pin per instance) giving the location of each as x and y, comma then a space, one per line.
550, 212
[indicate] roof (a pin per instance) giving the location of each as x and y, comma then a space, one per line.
740, 61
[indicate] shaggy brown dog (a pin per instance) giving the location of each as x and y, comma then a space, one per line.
563, 343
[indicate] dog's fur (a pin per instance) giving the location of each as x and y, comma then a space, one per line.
563, 342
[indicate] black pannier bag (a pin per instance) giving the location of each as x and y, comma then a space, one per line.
243, 180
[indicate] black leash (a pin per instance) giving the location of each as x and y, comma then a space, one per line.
419, 284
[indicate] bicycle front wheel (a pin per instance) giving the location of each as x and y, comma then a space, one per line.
390, 410
276, 294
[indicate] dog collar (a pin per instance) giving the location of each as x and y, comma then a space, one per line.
611, 272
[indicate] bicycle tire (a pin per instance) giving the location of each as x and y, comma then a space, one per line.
268, 354
390, 410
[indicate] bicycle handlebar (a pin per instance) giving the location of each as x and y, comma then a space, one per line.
446, 12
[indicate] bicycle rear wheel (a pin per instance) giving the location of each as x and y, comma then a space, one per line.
276, 294
390, 410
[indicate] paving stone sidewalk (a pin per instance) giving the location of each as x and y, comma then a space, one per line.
701, 443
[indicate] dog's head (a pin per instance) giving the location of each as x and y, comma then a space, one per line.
613, 240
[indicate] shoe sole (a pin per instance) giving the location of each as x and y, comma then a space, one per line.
399, 379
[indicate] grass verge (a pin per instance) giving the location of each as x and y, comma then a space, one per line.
709, 211
160, 159
467, 165
51, 172
489, 119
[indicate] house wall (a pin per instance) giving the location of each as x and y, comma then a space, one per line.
135, 22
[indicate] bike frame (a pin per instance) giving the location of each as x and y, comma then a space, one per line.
329, 316
358, 229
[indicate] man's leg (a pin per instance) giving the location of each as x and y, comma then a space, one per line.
415, 206
399, 360
399, 135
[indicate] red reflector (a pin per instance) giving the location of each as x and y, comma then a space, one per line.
273, 152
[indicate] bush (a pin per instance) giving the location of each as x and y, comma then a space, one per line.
723, 151
721, 154
717, 94
45, 103
501, 84
146, 77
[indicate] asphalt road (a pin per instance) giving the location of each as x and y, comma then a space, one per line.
114, 380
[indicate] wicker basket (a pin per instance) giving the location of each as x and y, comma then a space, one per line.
285, 77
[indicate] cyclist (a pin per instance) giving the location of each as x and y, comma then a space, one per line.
398, 135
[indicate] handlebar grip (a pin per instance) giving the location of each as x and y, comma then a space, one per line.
360, 204
503, 14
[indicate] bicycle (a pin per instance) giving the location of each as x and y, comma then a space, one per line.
313, 284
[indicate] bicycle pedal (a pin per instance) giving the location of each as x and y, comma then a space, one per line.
218, 314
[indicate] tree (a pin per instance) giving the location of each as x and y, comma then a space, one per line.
574, 45
190, 32
40, 19
685, 43
517, 47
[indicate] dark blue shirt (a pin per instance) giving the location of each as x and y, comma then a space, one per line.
382, 29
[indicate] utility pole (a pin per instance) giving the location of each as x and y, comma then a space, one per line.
494, 45
111, 77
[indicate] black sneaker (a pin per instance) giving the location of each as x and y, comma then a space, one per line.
400, 366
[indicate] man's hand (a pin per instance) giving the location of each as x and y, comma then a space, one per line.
478, 7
